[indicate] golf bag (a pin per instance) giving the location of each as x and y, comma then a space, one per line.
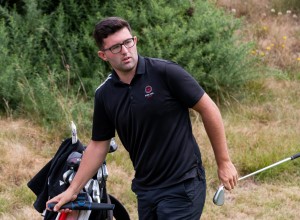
58, 173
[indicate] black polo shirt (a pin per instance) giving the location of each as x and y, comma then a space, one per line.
151, 117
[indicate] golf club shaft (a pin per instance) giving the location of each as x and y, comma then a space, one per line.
263, 169
218, 198
270, 166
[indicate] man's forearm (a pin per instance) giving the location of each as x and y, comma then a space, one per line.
216, 134
214, 127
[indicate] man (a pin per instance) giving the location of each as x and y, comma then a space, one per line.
147, 102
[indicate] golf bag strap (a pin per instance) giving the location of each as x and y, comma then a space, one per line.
119, 211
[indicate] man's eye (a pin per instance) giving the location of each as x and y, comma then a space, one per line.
115, 47
127, 41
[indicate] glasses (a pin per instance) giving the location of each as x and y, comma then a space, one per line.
118, 47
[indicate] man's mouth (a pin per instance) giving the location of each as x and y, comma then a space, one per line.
126, 59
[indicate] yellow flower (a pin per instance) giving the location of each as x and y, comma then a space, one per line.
262, 54
284, 37
283, 45
268, 48
298, 58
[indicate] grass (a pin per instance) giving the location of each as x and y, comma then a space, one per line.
259, 132
261, 129
275, 30
23, 148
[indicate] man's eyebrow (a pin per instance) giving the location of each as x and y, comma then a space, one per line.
122, 41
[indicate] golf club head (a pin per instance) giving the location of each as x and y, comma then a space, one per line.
67, 175
74, 159
113, 146
219, 196
89, 186
104, 171
96, 192
74, 133
100, 174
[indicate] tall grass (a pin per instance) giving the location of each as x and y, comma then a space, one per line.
274, 26
287, 5
260, 130
262, 127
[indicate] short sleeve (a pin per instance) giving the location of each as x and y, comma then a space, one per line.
103, 127
183, 85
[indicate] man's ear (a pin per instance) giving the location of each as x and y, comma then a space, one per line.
102, 55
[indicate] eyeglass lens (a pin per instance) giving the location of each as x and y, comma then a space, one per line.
127, 43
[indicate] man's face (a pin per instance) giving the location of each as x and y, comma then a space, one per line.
125, 61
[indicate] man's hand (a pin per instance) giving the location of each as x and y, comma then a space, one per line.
61, 199
228, 175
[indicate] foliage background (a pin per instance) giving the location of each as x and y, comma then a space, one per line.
43, 88
49, 65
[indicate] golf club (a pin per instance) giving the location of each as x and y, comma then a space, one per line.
74, 133
219, 196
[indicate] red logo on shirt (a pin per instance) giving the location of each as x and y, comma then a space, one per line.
148, 91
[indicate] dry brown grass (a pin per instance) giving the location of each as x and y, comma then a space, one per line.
265, 124
23, 149
255, 130
251, 200
276, 33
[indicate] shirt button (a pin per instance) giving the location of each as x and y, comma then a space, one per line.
131, 97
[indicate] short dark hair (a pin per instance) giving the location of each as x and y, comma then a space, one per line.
108, 26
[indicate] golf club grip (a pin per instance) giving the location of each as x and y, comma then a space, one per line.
82, 205
295, 156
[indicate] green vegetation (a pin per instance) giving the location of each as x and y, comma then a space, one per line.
49, 71
50, 68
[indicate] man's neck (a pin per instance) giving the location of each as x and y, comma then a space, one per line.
126, 77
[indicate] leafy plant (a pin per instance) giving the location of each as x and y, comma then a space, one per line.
50, 60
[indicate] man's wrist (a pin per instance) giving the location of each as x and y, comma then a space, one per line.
74, 191
223, 161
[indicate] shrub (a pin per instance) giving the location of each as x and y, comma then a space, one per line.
50, 63
196, 35
45, 69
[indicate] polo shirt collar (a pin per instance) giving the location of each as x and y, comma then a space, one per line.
141, 69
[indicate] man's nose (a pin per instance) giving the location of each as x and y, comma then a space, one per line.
124, 49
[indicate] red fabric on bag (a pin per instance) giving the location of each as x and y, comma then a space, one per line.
63, 216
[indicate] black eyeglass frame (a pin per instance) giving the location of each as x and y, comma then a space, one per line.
120, 45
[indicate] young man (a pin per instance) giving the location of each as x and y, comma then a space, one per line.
147, 102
